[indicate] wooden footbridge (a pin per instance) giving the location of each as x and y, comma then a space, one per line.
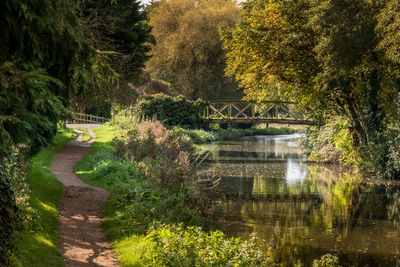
254, 112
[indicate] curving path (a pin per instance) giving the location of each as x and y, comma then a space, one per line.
82, 241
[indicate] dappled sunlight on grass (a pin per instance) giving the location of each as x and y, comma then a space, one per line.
48, 208
38, 245
41, 239
132, 248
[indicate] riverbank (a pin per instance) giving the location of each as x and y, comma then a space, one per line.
203, 136
155, 213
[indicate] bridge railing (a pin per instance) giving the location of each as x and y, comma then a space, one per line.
243, 111
86, 118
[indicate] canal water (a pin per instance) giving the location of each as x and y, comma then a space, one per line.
302, 211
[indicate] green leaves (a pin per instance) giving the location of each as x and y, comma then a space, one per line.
171, 110
176, 245
333, 57
188, 52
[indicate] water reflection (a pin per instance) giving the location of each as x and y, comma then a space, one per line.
303, 211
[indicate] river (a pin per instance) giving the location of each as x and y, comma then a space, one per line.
301, 211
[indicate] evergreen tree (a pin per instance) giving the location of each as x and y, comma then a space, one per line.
121, 35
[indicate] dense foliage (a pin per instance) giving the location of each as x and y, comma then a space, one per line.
335, 58
43, 61
121, 35
188, 52
171, 110
191, 246
8, 211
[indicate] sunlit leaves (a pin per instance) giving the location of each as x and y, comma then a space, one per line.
188, 51
270, 49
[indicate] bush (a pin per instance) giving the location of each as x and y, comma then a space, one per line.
164, 154
171, 111
191, 246
331, 143
327, 260
390, 153
15, 211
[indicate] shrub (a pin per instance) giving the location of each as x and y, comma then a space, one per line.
15, 211
191, 246
164, 154
331, 143
171, 111
390, 153
327, 260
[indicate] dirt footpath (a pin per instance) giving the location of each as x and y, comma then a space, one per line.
82, 241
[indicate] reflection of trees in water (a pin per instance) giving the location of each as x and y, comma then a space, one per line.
327, 211
393, 207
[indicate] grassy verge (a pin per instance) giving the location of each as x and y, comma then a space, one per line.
85, 136
203, 136
149, 225
37, 244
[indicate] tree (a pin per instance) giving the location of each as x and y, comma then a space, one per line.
270, 48
330, 56
45, 60
188, 52
120, 33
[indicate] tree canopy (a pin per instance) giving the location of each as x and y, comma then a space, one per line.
119, 32
44, 60
334, 57
188, 51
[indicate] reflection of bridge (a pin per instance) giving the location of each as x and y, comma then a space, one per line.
253, 112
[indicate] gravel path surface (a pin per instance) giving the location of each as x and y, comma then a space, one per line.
82, 240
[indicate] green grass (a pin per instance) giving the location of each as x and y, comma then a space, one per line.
86, 136
38, 244
203, 136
